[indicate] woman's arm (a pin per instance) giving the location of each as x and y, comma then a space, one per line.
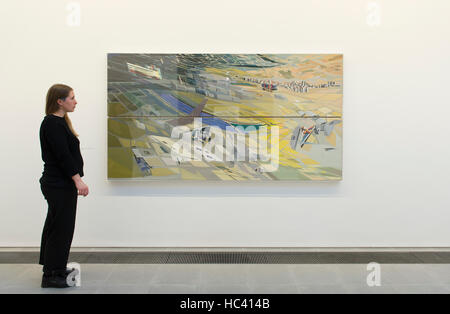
81, 186
56, 137
55, 134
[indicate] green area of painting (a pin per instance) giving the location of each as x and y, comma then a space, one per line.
288, 173
116, 109
137, 93
136, 101
188, 100
160, 107
112, 98
127, 102
332, 171
125, 130
121, 163
286, 74
113, 141
118, 128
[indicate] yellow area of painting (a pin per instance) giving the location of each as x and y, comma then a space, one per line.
118, 128
113, 141
338, 129
305, 174
309, 161
124, 142
157, 148
284, 145
290, 163
306, 148
188, 175
198, 163
151, 128
192, 96
154, 162
302, 156
162, 172
121, 163
316, 177
139, 143
124, 130
239, 174
222, 175
116, 108
332, 139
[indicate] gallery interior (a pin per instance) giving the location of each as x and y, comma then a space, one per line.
250, 147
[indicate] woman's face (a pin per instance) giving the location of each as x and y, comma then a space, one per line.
68, 104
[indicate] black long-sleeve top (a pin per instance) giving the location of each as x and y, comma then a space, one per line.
60, 153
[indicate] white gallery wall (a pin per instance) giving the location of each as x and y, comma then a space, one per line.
395, 190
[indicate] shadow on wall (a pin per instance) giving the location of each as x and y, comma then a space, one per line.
224, 189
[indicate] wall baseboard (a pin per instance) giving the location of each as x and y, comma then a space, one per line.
237, 257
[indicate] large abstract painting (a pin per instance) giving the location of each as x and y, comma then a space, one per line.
225, 117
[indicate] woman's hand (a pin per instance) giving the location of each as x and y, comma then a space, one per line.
82, 188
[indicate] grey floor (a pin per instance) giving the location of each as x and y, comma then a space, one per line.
234, 278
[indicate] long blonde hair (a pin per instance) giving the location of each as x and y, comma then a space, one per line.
58, 91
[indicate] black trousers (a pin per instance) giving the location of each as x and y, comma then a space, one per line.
59, 227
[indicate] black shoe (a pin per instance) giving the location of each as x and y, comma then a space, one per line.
69, 270
57, 280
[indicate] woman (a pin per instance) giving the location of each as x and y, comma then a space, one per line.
60, 184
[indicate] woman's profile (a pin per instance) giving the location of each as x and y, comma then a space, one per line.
61, 184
